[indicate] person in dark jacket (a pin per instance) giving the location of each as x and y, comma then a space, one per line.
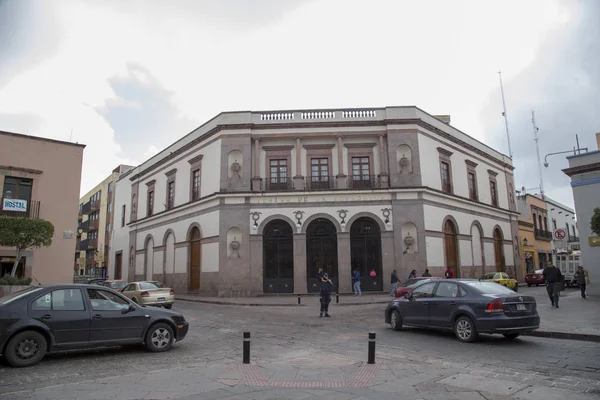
581, 277
553, 278
426, 273
413, 274
394, 282
356, 283
326, 288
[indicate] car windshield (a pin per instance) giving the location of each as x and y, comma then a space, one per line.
117, 285
490, 288
151, 285
17, 295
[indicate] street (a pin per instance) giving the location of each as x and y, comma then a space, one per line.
293, 343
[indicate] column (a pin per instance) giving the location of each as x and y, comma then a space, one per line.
298, 178
384, 175
388, 260
255, 258
344, 262
256, 179
341, 181
300, 283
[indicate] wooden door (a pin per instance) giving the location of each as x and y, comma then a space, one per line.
195, 257
118, 265
498, 251
451, 247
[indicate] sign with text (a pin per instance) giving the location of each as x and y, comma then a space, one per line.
14, 205
328, 198
594, 240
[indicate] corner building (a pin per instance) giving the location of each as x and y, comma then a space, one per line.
255, 202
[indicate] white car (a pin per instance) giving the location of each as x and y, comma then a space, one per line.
150, 293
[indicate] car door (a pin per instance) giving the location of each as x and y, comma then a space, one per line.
417, 308
64, 312
111, 319
441, 307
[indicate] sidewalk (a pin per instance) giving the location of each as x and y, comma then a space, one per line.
576, 319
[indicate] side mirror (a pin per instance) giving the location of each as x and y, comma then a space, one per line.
409, 296
128, 309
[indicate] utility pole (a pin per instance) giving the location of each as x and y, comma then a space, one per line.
537, 147
510, 154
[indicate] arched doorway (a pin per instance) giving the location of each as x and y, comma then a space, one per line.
149, 259
278, 257
195, 259
321, 252
365, 253
451, 246
499, 250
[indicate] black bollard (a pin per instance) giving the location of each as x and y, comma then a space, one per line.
371, 357
298, 299
246, 347
337, 298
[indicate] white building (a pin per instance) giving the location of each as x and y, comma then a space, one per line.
562, 217
255, 202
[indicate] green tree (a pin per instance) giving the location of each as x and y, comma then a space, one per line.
23, 234
595, 222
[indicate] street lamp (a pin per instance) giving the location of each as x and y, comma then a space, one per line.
525, 242
562, 152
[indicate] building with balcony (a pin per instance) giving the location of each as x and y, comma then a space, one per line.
96, 215
256, 202
562, 217
40, 178
535, 234
584, 171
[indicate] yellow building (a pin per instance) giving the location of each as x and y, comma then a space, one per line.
95, 218
535, 238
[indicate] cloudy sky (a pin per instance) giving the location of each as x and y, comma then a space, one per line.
129, 77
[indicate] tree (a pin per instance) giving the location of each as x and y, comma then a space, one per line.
595, 221
24, 233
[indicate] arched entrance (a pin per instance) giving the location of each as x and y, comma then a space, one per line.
365, 253
195, 259
278, 257
321, 252
499, 251
451, 246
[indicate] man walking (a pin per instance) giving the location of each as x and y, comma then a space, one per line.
356, 283
553, 278
394, 281
581, 277
326, 287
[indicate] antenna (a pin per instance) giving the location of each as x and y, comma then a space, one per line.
71, 135
537, 148
510, 154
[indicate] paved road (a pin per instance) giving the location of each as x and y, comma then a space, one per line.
289, 337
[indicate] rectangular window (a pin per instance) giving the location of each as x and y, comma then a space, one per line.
278, 173
361, 172
196, 184
17, 188
171, 195
472, 186
554, 223
150, 203
446, 181
123, 208
494, 194
319, 173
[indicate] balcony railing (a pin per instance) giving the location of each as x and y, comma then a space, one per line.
89, 225
90, 207
88, 244
278, 184
20, 208
320, 183
364, 182
543, 235
573, 238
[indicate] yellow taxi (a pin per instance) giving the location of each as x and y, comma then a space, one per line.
502, 279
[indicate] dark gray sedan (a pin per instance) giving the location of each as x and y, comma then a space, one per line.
467, 307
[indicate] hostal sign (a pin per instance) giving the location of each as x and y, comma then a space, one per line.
14, 205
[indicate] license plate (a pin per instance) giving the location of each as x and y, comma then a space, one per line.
521, 307
161, 299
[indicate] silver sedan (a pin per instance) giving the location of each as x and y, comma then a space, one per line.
150, 293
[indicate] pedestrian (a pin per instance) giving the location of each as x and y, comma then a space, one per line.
582, 279
356, 283
449, 274
413, 274
553, 278
394, 281
320, 274
427, 273
326, 287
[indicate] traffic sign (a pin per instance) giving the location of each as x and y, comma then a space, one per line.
560, 234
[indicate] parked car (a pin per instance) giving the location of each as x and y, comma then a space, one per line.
466, 306
44, 319
115, 284
410, 284
96, 281
501, 278
150, 293
535, 278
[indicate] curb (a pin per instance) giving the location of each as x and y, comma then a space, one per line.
565, 335
228, 303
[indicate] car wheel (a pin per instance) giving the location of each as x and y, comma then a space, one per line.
159, 338
464, 329
26, 349
168, 306
511, 335
396, 320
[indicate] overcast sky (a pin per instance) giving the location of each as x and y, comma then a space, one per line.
129, 77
